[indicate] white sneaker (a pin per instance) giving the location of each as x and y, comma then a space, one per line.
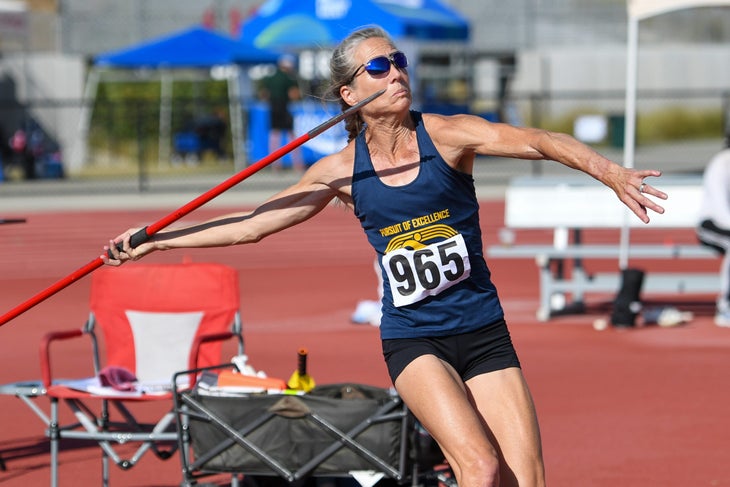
673, 317
667, 316
722, 318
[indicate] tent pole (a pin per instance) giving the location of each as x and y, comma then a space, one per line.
629, 127
163, 144
80, 147
235, 105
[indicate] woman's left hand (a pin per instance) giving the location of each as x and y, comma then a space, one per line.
632, 189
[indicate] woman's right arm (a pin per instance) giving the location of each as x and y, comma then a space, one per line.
291, 206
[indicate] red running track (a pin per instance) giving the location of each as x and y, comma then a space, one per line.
640, 408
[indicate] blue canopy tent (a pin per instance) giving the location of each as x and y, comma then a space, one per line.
297, 24
191, 49
196, 47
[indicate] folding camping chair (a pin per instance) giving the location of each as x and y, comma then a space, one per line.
156, 320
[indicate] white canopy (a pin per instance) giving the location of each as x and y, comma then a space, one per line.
643, 9
639, 10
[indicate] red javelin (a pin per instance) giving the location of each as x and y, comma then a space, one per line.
145, 233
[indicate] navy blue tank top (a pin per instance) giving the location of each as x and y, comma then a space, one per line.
427, 237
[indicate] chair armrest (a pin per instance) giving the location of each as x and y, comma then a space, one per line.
45, 354
206, 338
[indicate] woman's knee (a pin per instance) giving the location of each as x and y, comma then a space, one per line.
477, 470
528, 472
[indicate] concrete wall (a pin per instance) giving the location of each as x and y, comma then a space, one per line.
661, 68
52, 86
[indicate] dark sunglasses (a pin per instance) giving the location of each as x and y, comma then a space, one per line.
381, 64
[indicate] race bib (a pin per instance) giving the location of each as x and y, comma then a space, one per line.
427, 271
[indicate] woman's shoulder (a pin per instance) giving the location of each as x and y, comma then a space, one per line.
438, 120
334, 167
453, 129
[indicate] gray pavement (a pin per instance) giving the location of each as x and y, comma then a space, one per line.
491, 174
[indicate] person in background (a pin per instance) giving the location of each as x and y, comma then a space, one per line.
367, 311
4, 154
279, 90
18, 144
713, 228
407, 176
211, 131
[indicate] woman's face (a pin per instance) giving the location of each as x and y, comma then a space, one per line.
395, 81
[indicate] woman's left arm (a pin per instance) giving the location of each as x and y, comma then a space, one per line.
471, 134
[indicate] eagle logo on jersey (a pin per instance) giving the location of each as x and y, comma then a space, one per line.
418, 239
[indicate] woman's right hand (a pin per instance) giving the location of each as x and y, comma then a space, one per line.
120, 251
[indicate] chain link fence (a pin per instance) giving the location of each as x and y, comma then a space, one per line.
124, 143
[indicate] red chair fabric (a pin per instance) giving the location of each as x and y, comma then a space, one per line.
155, 320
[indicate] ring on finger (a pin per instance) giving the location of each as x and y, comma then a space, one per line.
641, 188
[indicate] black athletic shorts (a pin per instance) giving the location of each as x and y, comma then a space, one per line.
281, 118
471, 354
